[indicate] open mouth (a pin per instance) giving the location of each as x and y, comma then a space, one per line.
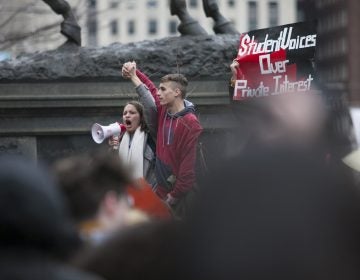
128, 122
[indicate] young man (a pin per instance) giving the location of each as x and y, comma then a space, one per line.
172, 119
94, 185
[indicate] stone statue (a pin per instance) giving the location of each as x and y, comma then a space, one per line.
222, 25
188, 25
69, 27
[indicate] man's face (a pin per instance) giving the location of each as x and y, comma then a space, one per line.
168, 93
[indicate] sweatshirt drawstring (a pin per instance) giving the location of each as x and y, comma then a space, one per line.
168, 140
169, 130
163, 130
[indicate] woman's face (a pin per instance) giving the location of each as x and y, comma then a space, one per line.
131, 118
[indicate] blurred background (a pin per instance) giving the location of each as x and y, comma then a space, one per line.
30, 25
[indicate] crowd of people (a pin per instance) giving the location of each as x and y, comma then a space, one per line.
274, 206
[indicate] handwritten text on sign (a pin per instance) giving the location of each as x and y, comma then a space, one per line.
266, 67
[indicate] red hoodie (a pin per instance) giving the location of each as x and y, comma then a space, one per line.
177, 137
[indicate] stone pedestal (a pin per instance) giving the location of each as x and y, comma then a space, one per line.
49, 100
24, 146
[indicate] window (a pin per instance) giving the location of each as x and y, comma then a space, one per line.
92, 27
231, 3
114, 27
343, 18
92, 4
152, 3
131, 27
252, 12
92, 41
343, 72
131, 4
114, 4
172, 27
92, 32
273, 13
152, 27
343, 45
193, 3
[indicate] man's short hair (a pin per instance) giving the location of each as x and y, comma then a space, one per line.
179, 80
85, 180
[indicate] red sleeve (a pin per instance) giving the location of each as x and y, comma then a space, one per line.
146, 200
150, 85
186, 177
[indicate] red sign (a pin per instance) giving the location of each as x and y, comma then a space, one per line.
276, 61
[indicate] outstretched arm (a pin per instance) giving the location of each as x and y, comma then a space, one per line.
235, 71
234, 66
146, 91
150, 85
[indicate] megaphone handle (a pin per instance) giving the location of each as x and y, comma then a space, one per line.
115, 138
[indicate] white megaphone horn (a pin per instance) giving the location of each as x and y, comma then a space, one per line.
99, 133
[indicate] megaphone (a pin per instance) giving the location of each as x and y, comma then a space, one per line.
99, 133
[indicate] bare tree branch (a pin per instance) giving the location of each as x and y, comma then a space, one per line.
13, 39
9, 40
17, 11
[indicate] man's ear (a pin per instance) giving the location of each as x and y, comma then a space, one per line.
178, 92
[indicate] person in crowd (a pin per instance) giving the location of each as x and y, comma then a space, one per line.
144, 251
137, 150
37, 236
274, 213
177, 131
95, 186
136, 147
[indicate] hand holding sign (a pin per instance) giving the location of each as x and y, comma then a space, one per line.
234, 66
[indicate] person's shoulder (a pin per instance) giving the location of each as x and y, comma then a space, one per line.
193, 118
192, 121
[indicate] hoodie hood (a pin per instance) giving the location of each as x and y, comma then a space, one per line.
189, 108
173, 119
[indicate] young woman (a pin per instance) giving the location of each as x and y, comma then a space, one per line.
137, 150
136, 147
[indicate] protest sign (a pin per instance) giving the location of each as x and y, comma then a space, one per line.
276, 60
